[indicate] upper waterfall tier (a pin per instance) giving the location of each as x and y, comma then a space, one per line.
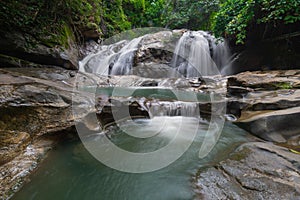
162, 54
200, 54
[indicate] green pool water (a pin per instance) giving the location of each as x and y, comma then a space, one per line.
70, 172
166, 94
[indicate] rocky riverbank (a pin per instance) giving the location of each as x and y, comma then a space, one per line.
37, 107
36, 112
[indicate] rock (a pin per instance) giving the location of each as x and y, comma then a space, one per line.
267, 104
238, 91
152, 70
12, 143
118, 111
15, 173
254, 171
91, 34
9, 61
35, 103
158, 47
268, 80
22, 50
276, 126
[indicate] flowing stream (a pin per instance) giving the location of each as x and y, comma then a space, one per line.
70, 172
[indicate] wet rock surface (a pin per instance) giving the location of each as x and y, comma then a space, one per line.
158, 48
15, 173
254, 171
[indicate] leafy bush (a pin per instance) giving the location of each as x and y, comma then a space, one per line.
236, 16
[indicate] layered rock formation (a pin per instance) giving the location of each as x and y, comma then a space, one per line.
35, 106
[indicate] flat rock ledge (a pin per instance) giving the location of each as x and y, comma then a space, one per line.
267, 104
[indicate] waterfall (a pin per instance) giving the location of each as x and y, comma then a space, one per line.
114, 59
177, 108
198, 53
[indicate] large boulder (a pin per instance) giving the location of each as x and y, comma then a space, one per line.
276, 126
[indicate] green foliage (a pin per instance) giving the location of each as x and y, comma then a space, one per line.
236, 16
192, 14
47, 20
287, 11
153, 13
114, 17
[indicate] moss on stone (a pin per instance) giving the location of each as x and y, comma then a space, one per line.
240, 155
283, 85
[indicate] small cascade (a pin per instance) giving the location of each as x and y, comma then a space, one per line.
200, 54
178, 108
115, 59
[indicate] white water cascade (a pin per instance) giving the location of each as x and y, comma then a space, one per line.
114, 59
197, 53
177, 108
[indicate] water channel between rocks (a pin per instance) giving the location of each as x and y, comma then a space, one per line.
70, 172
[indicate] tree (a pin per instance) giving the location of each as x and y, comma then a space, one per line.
191, 14
237, 17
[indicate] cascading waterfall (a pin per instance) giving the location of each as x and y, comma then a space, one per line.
177, 108
200, 54
197, 53
115, 59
